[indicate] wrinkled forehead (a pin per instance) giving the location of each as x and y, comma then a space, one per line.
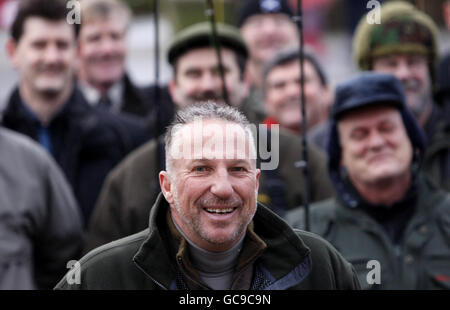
41, 28
369, 116
213, 139
205, 57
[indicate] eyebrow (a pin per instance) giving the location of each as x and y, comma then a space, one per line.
207, 161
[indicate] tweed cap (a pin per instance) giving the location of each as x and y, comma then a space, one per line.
200, 35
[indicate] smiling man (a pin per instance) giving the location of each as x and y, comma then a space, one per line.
47, 106
385, 211
207, 230
282, 94
102, 73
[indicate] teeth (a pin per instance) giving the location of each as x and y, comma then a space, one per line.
219, 211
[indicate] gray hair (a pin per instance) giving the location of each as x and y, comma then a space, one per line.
208, 110
95, 9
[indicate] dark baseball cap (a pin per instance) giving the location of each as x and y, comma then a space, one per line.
249, 8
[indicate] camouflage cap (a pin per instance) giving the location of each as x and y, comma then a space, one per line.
403, 29
200, 35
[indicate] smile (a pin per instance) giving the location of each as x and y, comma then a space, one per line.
219, 211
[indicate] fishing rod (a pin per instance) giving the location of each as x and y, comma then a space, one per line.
210, 13
298, 19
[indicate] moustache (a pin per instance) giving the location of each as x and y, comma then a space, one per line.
410, 84
51, 69
205, 96
210, 200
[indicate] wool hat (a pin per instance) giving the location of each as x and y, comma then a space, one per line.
200, 35
249, 8
402, 29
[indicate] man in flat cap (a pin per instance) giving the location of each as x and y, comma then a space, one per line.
405, 44
388, 220
132, 187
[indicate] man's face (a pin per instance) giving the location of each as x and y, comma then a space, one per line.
282, 95
375, 145
213, 192
198, 78
266, 34
412, 70
102, 50
44, 55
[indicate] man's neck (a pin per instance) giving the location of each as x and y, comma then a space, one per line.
425, 115
386, 192
254, 73
83, 77
45, 106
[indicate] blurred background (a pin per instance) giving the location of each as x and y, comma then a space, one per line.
328, 28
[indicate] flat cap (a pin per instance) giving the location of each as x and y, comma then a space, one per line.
200, 35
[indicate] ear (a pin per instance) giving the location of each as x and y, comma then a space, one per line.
446, 13
173, 90
166, 186
258, 174
11, 48
245, 87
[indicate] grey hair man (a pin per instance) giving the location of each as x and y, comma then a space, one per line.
207, 230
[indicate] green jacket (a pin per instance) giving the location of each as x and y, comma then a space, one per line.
421, 261
274, 256
131, 188
436, 163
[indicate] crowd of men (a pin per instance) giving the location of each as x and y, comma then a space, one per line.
91, 170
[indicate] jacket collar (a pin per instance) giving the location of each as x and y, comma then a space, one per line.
423, 202
16, 111
279, 251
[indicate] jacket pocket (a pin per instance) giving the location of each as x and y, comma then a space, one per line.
438, 274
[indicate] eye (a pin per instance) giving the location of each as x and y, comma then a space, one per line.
39, 44
387, 127
238, 169
193, 73
358, 134
200, 169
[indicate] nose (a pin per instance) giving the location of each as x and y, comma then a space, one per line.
222, 186
402, 71
293, 90
376, 140
107, 46
52, 54
210, 82
268, 27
